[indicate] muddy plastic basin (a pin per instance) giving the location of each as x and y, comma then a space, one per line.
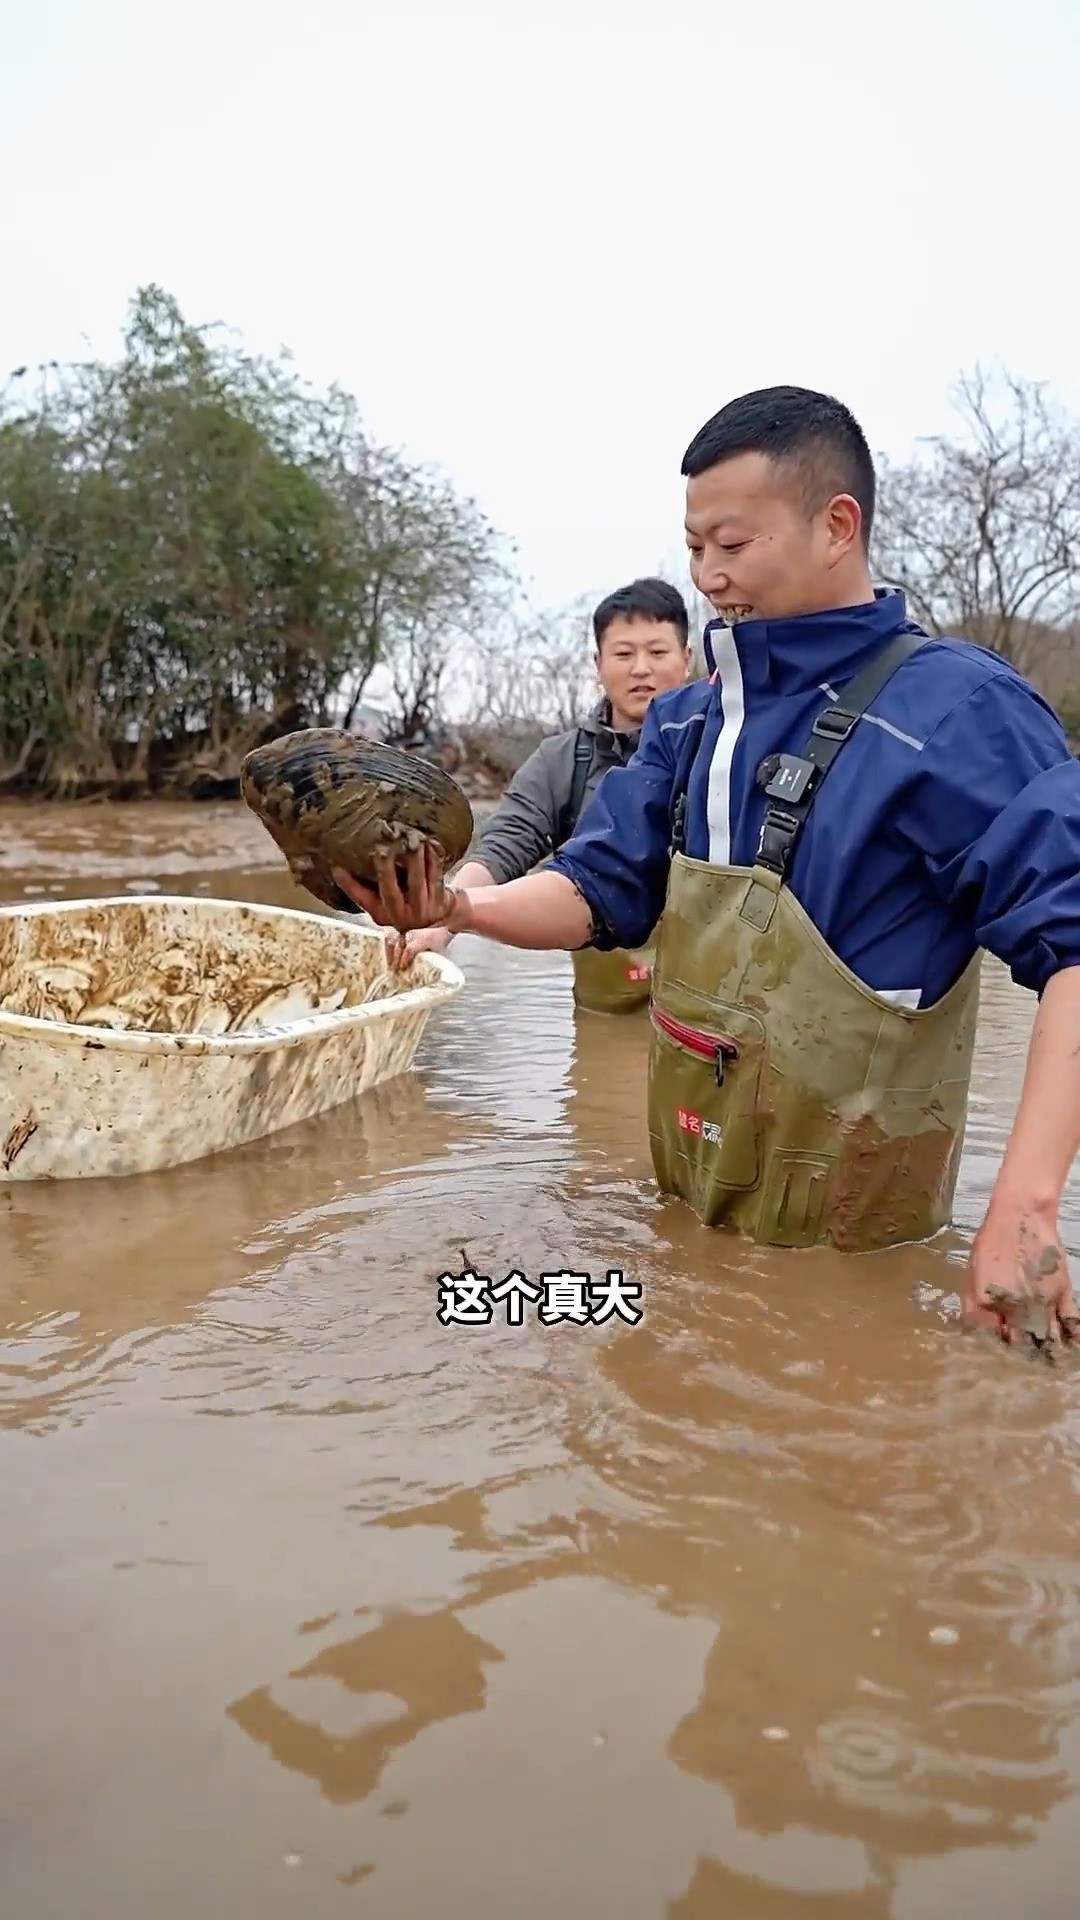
143, 1031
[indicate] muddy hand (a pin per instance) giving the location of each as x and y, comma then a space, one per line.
425, 900
1018, 1283
426, 940
402, 948
398, 958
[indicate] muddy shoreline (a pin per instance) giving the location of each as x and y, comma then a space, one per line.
481, 764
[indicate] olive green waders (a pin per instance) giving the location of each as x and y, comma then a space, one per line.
787, 1101
615, 982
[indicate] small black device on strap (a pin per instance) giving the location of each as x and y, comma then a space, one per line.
568, 818
793, 780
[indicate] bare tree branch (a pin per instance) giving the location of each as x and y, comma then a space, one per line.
982, 530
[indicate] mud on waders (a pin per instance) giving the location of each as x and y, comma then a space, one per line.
615, 982
787, 1101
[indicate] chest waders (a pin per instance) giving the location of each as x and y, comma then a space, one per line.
619, 981
788, 1102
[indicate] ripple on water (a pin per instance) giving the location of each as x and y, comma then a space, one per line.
1026, 1607
1003, 1736
48, 1383
867, 1760
939, 1523
1003, 1589
986, 1761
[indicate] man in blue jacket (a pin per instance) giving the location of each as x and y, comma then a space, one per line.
833, 827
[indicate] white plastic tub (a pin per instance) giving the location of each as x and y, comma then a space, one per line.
143, 1031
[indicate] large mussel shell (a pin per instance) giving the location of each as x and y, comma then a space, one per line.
331, 800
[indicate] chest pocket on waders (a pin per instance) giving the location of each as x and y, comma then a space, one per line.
707, 1078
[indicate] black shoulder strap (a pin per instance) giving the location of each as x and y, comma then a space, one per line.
795, 783
583, 753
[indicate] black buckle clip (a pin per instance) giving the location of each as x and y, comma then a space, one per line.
792, 780
779, 817
778, 830
834, 724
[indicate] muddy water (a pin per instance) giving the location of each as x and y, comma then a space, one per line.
313, 1606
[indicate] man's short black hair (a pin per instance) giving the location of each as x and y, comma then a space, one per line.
813, 433
643, 600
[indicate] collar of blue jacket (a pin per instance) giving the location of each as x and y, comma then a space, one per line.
789, 656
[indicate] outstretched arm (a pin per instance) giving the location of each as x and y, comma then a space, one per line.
542, 910
605, 887
1018, 1255
996, 814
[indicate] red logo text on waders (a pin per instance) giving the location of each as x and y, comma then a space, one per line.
693, 1123
639, 973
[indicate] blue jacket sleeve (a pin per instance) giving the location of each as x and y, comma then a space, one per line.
618, 858
995, 813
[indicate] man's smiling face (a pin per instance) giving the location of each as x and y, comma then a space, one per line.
756, 552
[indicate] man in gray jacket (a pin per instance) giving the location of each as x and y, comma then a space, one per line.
641, 634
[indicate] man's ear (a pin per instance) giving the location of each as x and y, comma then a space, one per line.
844, 525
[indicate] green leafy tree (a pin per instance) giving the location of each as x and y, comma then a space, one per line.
196, 551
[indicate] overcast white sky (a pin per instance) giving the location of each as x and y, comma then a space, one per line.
543, 243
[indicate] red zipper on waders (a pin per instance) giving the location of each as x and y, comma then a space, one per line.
709, 1046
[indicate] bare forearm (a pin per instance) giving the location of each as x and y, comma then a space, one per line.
1046, 1132
544, 911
